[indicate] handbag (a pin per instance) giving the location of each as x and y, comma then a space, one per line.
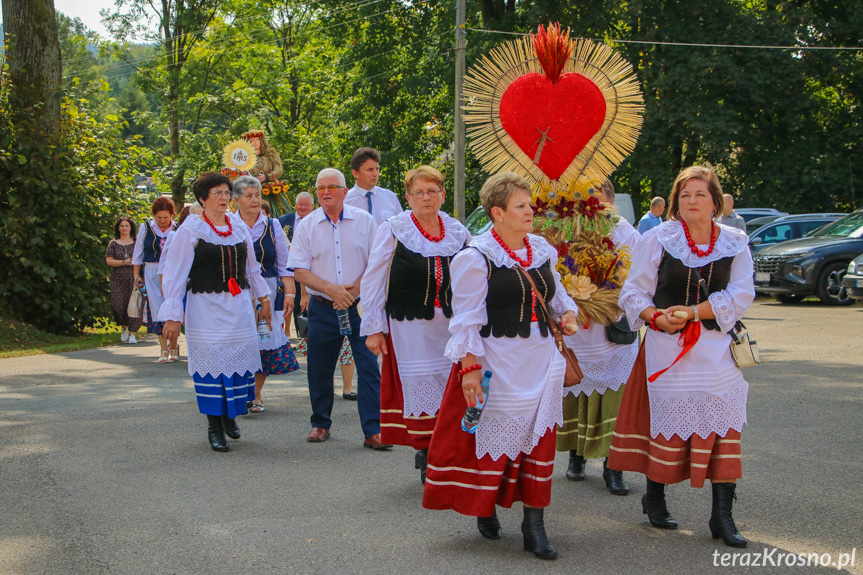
744, 348
620, 333
279, 304
136, 304
574, 374
303, 325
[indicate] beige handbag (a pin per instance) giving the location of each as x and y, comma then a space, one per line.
136, 304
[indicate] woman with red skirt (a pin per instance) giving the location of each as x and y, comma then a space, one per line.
498, 326
685, 403
407, 303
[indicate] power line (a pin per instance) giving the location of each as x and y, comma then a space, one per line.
690, 44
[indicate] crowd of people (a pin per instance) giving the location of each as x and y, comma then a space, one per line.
423, 310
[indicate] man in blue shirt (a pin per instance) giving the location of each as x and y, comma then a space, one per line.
654, 217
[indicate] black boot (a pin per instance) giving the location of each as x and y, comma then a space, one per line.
489, 527
421, 463
535, 539
721, 521
614, 480
575, 470
653, 505
232, 430
216, 434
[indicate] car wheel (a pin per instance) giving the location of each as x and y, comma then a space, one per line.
830, 288
788, 297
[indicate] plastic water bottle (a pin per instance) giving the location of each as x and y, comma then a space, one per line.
263, 329
470, 421
344, 322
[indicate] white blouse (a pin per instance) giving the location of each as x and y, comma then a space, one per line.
221, 333
526, 389
705, 391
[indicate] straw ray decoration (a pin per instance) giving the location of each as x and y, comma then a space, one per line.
487, 81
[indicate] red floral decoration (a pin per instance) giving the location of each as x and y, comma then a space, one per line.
563, 250
590, 207
540, 207
566, 208
608, 243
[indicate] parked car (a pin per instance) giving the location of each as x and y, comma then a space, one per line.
477, 222
756, 223
752, 213
814, 265
788, 228
853, 280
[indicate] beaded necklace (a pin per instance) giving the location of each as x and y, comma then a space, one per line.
427, 235
220, 234
523, 263
691, 242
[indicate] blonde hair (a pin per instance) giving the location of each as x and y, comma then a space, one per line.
703, 173
497, 190
423, 173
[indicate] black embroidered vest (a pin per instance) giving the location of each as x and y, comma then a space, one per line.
265, 251
214, 265
413, 287
508, 303
673, 277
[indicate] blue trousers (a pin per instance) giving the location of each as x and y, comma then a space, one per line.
324, 343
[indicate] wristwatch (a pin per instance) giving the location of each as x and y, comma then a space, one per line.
695, 311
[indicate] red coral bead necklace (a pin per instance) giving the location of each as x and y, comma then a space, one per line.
691, 242
427, 235
222, 234
523, 263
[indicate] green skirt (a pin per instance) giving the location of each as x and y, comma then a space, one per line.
588, 423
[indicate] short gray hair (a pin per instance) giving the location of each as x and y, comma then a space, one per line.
657, 201
329, 173
243, 182
307, 195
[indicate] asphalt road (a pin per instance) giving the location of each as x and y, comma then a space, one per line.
105, 468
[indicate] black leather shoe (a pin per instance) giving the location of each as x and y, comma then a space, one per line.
232, 430
721, 522
421, 463
216, 434
533, 530
489, 527
575, 469
614, 480
657, 512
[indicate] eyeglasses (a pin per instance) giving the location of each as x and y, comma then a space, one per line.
221, 194
331, 188
431, 194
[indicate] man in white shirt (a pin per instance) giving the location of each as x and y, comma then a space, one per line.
329, 255
366, 195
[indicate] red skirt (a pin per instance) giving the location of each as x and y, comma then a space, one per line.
667, 460
456, 479
414, 432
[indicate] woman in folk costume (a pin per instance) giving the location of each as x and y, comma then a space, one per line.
212, 257
590, 408
271, 251
684, 420
498, 325
268, 167
407, 299
148, 251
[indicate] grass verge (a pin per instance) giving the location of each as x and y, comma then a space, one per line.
18, 338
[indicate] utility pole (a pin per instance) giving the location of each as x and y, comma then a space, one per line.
458, 177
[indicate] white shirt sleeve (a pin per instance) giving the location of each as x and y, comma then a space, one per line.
561, 302
729, 305
164, 253
177, 262
373, 288
300, 256
138, 253
637, 292
282, 251
469, 271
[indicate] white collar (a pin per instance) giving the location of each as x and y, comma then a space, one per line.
158, 231
202, 230
407, 233
319, 215
542, 251
730, 242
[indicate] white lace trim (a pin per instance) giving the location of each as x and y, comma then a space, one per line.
730, 242
542, 251
512, 436
561, 303
673, 414
278, 337
202, 230
423, 394
374, 321
171, 310
608, 373
464, 342
407, 233
724, 309
633, 306
217, 360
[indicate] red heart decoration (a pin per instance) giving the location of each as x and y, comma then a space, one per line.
563, 117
